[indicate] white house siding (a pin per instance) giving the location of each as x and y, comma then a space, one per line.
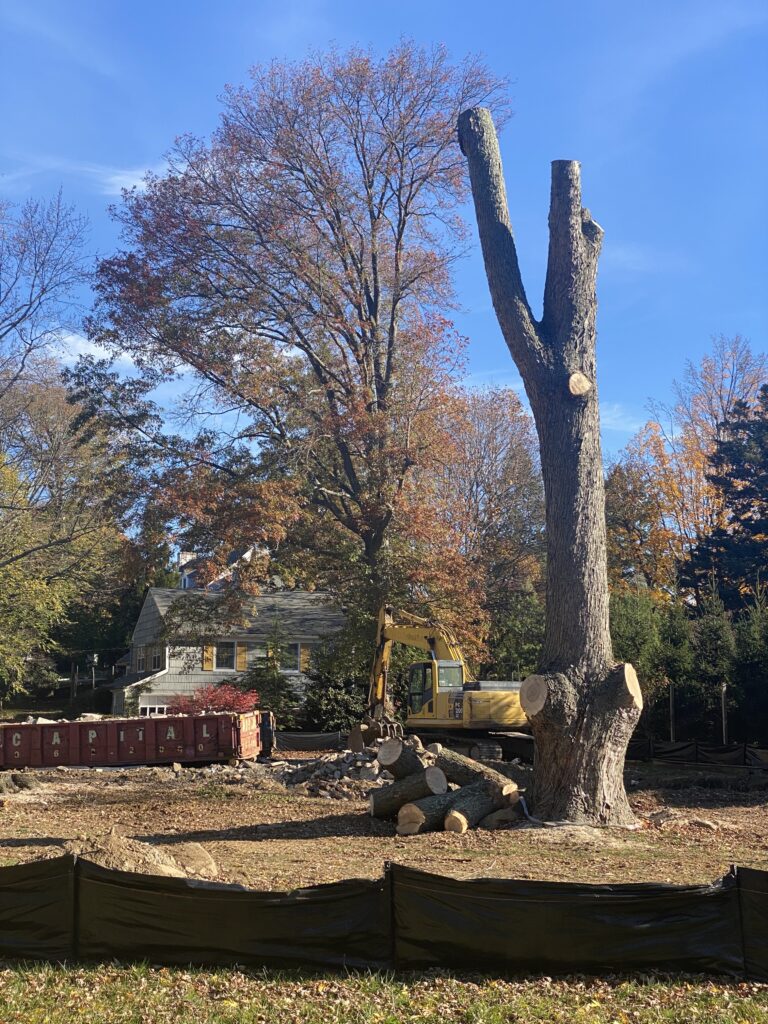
304, 619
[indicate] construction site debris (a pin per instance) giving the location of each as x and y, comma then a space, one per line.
480, 789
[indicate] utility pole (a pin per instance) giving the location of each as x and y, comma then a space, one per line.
724, 711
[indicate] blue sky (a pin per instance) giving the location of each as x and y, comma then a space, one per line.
664, 103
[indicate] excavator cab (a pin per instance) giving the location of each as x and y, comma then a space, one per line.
429, 683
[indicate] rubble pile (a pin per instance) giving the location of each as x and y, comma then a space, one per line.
337, 776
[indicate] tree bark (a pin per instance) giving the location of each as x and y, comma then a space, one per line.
582, 707
387, 801
425, 815
464, 771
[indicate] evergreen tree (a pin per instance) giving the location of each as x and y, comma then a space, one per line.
751, 672
277, 691
635, 635
517, 632
735, 553
715, 655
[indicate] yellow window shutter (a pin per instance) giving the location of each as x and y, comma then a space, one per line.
208, 658
304, 655
242, 657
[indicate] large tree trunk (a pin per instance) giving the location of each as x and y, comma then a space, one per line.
582, 706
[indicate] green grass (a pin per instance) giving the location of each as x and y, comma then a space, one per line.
114, 994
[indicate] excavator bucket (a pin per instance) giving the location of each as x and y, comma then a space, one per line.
364, 734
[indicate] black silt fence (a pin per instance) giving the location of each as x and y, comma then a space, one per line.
72, 909
740, 755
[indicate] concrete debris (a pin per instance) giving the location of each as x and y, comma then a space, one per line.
333, 776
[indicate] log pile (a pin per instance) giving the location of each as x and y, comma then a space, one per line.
437, 788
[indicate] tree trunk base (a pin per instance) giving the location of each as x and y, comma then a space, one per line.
581, 731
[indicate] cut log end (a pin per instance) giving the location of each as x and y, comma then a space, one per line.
579, 384
408, 828
455, 821
634, 695
533, 695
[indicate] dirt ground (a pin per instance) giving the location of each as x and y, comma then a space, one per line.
239, 825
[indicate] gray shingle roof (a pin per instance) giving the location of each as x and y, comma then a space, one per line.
299, 615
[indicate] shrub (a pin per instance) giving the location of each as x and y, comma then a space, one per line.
213, 698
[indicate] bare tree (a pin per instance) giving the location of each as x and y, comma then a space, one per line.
41, 267
582, 706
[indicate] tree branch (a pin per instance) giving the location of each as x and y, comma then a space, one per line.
479, 144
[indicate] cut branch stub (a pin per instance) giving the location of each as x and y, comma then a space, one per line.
627, 686
533, 695
579, 384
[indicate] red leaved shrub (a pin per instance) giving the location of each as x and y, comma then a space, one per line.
213, 698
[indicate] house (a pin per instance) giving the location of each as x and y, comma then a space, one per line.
159, 670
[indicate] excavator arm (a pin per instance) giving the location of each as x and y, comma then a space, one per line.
396, 626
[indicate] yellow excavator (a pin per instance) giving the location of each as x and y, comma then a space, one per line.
444, 700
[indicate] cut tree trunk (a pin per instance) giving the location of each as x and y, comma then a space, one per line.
472, 804
399, 758
387, 801
464, 771
582, 706
425, 815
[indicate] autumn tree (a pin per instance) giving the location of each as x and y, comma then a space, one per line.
582, 705
61, 489
661, 500
42, 266
297, 265
489, 494
643, 547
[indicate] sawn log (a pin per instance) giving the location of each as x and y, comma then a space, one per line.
388, 800
472, 804
399, 758
465, 771
425, 815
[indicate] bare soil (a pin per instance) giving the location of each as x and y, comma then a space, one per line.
239, 825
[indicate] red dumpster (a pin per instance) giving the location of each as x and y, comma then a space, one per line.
185, 738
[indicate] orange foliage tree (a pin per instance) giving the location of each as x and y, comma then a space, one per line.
660, 503
295, 269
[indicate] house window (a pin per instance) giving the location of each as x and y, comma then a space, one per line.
289, 658
140, 659
153, 709
225, 656
157, 658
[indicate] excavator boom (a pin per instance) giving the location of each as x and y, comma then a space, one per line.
442, 691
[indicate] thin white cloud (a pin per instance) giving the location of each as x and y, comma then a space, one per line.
614, 416
72, 345
91, 54
656, 46
637, 258
107, 180
295, 21
497, 378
